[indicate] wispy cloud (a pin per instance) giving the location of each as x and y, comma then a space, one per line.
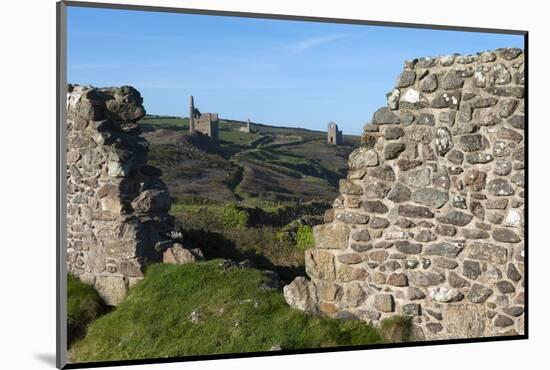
304, 45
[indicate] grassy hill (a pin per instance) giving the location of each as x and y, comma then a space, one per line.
270, 165
203, 308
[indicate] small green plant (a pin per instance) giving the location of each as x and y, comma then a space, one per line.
234, 217
304, 237
397, 329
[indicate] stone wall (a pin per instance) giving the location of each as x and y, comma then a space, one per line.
429, 222
117, 218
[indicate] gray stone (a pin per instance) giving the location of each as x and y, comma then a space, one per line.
379, 223
465, 320
479, 293
320, 264
434, 327
514, 311
361, 236
384, 303
476, 208
414, 211
407, 118
429, 84
376, 189
418, 178
505, 235
374, 206
393, 132
483, 102
508, 134
455, 218
425, 236
445, 230
406, 78
515, 91
502, 167
486, 252
399, 193
350, 258
427, 119
179, 255
331, 236
471, 269
506, 107
397, 279
449, 99
445, 249
355, 295
475, 180
407, 247
412, 309
413, 293
479, 157
421, 278
443, 141
503, 321
456, 281
517, 122
456, 157
509, 53
505, 287
350, 188
384, 173
475, 234
512, 273
361, 247
445, 295
385, 116
445, 263
472, 143
301, 294
451, 81
393, 150
363, 157
352, 218
430, 197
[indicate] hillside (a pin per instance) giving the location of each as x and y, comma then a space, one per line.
207, 308
272, 165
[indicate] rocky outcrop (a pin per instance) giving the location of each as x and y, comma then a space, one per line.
117, 205
430, 220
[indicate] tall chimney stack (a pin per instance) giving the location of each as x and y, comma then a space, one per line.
191, 115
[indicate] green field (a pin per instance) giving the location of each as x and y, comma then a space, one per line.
202, 308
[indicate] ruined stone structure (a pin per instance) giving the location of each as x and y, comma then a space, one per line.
117, 205
430, 220
246, 128
205, 123
334, 137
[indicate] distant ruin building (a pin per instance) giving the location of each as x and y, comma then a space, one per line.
334, 137
246, 128
205, 123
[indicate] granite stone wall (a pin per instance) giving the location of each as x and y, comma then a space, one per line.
430, 220
117, 205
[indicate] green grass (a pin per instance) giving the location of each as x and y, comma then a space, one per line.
83, 306
234, 315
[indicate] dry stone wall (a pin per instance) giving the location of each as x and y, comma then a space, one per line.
430, 220
117, 205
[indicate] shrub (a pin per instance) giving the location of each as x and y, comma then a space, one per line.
397, 329
83, 306
304, 237
234, 217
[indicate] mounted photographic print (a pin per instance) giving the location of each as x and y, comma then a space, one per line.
236, 185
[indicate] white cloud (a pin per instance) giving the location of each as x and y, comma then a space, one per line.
304, 45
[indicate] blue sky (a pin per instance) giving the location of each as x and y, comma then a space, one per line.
286, 73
